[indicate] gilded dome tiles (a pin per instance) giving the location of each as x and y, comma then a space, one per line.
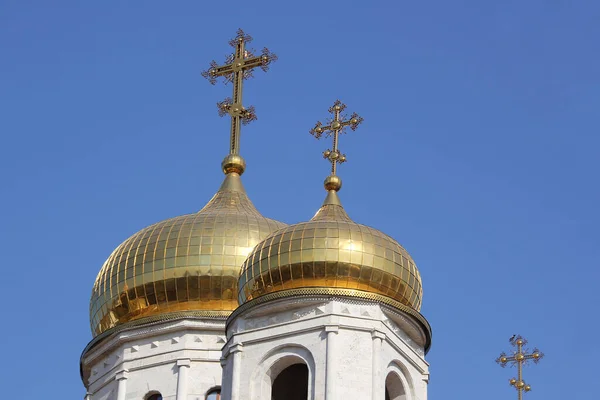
186, 263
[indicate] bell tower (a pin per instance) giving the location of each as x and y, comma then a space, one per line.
329, 308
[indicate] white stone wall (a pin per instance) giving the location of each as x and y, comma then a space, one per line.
349, 346
135, 362
362, 341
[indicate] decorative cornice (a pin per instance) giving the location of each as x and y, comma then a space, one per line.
155, 320
150, 326
184, 362
236, 348
332, 329
357, 295
124, 374
232, 349
375, 334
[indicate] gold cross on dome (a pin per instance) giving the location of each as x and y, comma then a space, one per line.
519, 358
335, 126
238, 66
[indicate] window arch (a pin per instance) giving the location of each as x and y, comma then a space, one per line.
153, 396
394, 389
291, 383
274, 363
214, 393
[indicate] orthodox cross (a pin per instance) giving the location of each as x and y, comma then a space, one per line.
519, 358
238, 66
336, 126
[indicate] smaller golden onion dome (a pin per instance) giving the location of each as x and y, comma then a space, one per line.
187, 264
331, 251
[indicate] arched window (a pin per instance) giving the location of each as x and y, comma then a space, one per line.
394, 390
154, 396
214, 394
291, 383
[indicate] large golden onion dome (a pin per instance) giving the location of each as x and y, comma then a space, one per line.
332, 252
189, 263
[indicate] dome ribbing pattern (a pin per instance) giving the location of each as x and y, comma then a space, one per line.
331, 251
186, 263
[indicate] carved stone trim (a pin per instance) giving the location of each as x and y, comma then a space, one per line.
157, 319
349, 295
332, 328
236, 348
184, 362
96, 350
124, 374
134, 332
375, 334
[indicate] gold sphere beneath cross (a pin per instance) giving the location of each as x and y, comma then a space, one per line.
233, 163
520, 384
333, 182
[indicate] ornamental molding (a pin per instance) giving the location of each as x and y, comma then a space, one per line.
288, 310
400, 327
348, 296
281, 313
122, 375
99, 360
184, 362
159, 328
405, 329
403, 336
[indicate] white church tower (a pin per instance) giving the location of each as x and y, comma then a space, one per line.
329, 309
160, 302
225, 304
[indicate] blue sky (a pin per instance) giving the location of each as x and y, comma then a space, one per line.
479, 153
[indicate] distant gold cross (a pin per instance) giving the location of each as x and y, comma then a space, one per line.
519, 358
238, 67
336, 126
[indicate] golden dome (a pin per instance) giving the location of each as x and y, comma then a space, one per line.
186, 263
331, 251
